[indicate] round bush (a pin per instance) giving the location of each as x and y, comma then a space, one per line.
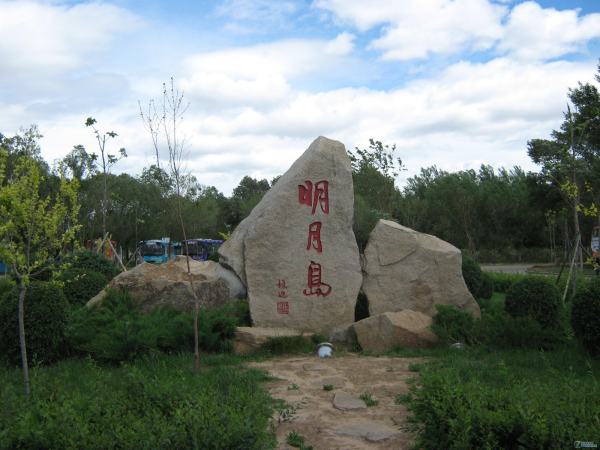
537, 298
45, 321
472, 274
92, 261
585, 317
80, 285
486, 288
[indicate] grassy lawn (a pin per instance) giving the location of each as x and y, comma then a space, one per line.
154, 402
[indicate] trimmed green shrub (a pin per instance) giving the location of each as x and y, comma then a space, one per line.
45, 322
486, 288
537, 298
585, 317
155, 403
88, 260
504, 281
6, 284
472, 274
453, 325
80, 285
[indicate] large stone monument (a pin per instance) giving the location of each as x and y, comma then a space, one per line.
405, 269
296, 251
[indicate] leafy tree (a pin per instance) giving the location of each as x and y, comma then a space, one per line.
34, 229
78, 163
107, 160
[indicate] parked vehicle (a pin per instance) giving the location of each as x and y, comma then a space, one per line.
159, 250
200, 249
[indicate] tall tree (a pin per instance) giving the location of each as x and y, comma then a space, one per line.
107, 160
34, 229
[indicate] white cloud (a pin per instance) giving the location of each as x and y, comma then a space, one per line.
260, 75
533, 32
46, 38
414, 30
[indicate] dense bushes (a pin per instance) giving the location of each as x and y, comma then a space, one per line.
118, 331
156, 403
501, 400
472, 274
537, 298
453, 325
45, 321
92, 261
80, 285
585, 317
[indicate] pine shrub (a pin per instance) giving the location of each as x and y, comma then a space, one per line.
45, 322
585, 317
472, 274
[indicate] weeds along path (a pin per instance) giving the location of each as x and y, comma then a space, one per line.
320, 400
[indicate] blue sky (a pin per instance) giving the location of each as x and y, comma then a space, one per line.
455, 83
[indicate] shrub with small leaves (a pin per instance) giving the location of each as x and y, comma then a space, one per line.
486, 288
80, 285
585, 317
45, 322
88, 260
451, 325
537, 298
472, 274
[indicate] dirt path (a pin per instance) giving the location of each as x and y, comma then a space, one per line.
311, 411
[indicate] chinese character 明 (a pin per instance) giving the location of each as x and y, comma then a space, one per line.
315, 285
318, 196
283, 308
314, 237
281, 284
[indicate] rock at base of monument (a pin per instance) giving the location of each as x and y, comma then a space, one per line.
158, 285
405, 269
250, 339
343, 336
404, 329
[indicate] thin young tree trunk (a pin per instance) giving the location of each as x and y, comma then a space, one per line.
22, 344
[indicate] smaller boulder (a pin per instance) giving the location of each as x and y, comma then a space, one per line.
347, 402
407, 329
156, 285
249, 339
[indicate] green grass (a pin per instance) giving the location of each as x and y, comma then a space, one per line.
154, 402
328, 387
478, 398
368, 399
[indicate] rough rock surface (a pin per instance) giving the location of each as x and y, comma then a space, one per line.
156, 285
369, 430
406, 329
249, 339
405, 269
347, 402
296, 251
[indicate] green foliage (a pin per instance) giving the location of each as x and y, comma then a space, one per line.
328, 387
365, 219
486, 288
499, 400
453, 325
45, 322
537, 298
368, 399
472, 274
91, 261
117, 330
297, 440
504, 281
80, 285
585, 317
157, 403
6, 284
288, 345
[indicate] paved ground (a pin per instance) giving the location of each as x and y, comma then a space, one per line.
506, 268
311, 411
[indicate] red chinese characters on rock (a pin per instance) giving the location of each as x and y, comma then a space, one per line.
319, 196
282, 289
314, 237
315, 285
283, 308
